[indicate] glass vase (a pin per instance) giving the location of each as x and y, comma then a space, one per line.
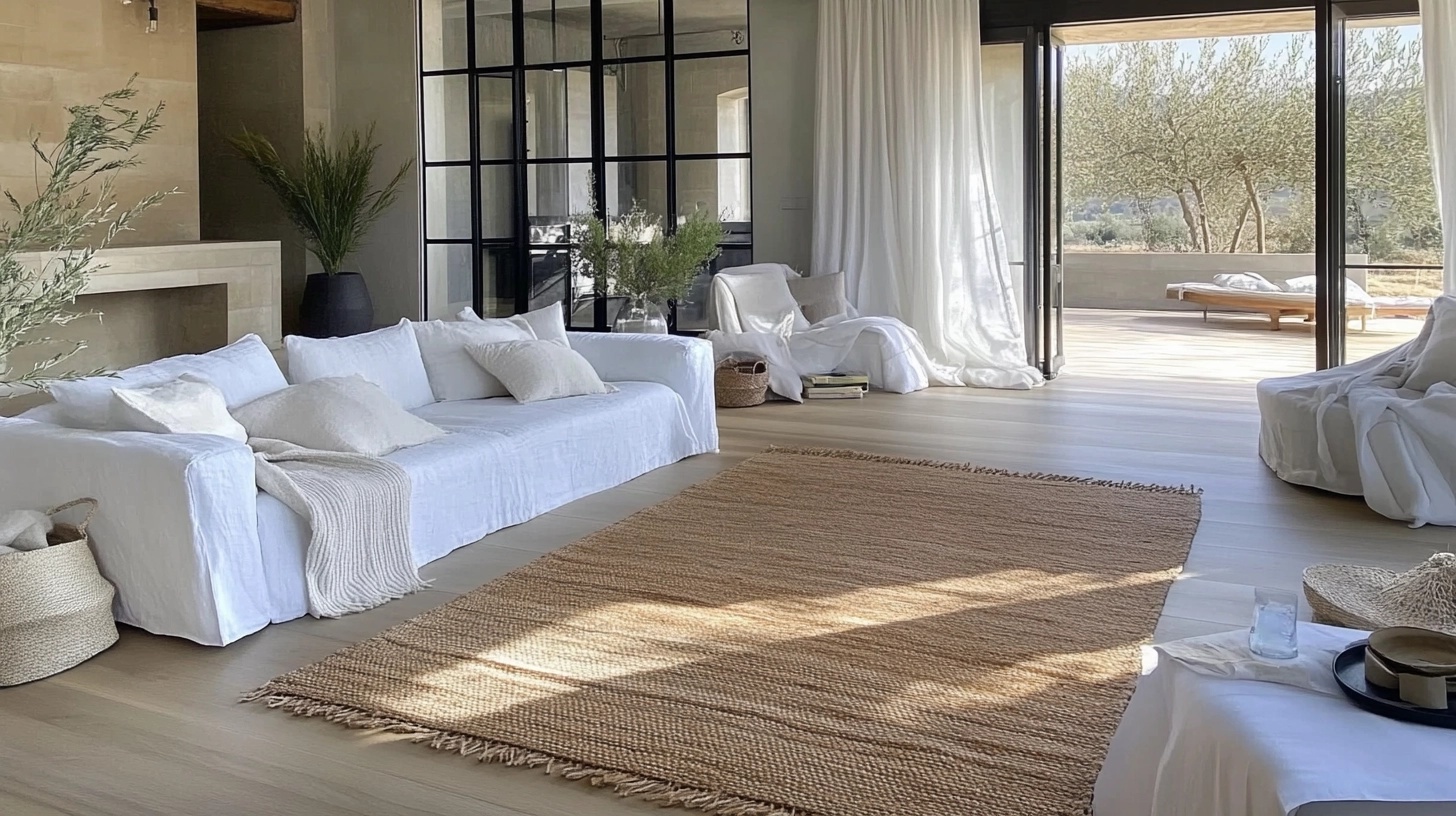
640, 316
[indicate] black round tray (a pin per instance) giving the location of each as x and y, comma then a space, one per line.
1349, 668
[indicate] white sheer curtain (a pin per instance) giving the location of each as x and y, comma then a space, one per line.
903, 199
1438, 23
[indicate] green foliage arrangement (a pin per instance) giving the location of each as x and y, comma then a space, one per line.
328, 196
635, 256
73, 215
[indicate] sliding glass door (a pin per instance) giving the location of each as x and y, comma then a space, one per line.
1021, 72
1393, 246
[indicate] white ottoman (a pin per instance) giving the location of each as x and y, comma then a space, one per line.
1195, 745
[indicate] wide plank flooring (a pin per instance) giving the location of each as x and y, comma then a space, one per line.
152, 726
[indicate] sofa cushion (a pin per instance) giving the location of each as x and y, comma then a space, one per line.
535, 370
186, 405
1249, 281
763, 302
1437, 362
243, 371
820, 296
389, 358
347, 414
547, 323
453, 374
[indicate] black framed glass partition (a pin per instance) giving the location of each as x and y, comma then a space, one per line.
533, 111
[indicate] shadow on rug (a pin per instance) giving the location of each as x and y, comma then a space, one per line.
811, 632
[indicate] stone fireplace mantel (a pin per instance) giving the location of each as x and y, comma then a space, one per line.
158, 301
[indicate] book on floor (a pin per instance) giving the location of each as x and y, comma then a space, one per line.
834, 392
837, 378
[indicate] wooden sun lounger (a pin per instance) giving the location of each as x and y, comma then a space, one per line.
1279, 305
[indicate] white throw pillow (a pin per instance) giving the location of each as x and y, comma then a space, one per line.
453, 374
1308, 285
535, 370
243, 371
186, 405
347, 414
820, 297
389, 358
546, 323
764, 302
1249, 281
1437, 362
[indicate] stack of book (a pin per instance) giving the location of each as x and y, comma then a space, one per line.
836, 386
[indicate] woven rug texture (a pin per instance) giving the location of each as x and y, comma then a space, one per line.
811, 633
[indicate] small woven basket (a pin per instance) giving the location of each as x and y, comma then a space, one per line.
741, 383
55, 608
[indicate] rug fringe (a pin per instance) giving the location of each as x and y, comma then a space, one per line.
624, 784
860, 456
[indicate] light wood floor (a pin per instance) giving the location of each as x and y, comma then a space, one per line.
151, 726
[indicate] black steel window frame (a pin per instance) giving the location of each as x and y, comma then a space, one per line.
519, 244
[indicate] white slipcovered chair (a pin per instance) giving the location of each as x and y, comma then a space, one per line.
1383, 428
805, 325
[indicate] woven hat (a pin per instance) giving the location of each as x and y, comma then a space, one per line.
1371, 598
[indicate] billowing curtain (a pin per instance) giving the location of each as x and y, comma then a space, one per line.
903, 198
1438, 21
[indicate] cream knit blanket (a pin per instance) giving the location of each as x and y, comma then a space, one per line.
358, 508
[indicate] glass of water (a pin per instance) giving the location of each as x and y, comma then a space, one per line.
1274, 633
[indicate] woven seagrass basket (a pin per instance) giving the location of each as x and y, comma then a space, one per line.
55, 608
740, 383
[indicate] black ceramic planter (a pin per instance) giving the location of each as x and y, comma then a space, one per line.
335, 306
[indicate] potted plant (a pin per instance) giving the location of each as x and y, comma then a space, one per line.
636, 257
73, 215
330, 199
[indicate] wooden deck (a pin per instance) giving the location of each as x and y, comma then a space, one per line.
1227, 347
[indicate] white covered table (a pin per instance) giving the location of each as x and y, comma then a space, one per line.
1192, 744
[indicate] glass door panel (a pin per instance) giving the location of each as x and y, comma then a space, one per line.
1053, 278
1393, 242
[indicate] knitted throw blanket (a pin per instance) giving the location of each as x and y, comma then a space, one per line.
358, 508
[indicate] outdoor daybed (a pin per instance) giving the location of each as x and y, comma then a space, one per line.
1280, 304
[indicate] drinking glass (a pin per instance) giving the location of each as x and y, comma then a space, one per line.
1274, 633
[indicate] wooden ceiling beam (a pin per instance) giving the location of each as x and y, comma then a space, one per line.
251, 12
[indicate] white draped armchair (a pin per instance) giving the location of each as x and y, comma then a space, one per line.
804, 325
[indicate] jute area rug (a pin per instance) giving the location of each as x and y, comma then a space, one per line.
811, 632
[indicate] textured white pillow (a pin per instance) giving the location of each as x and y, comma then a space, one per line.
1437, 362
186, 405
1250, 281
546, 323
821, 297
243, 371
348, 414
453, 375
1308, 285
389, 358
764, 302
535, 370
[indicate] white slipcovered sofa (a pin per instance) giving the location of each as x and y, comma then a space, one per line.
1382, 428
196, 551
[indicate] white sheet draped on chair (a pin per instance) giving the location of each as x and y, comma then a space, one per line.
903, 198
1438, 21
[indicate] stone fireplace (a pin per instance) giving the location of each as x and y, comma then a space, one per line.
158, 301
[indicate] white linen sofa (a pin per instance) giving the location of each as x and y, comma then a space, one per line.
196, 551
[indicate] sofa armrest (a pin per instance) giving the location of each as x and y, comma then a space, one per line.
684, 364
177, 529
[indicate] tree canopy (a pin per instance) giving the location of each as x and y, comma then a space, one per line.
1211, 148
